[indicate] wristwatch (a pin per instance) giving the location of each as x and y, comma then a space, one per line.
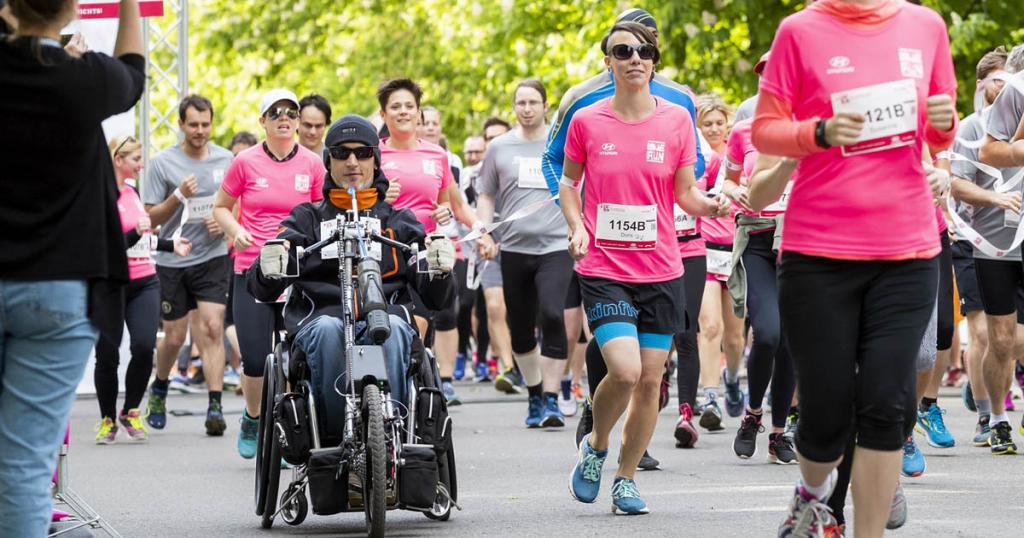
819, 134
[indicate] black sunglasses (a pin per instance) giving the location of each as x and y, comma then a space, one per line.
342, 153
275, 113
646, 51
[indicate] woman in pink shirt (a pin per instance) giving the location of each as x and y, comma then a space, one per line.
637, 153
427, 187
142, 304
853, 90
265, 182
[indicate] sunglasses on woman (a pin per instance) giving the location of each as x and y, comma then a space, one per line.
275, 113
646, 51
342, 153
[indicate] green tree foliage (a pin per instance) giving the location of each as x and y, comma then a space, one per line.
469, 54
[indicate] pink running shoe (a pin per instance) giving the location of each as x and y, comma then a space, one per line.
686, 435
133, 425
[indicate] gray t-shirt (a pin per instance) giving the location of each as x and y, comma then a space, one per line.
511, 174
165, 173
745, 110
990, 222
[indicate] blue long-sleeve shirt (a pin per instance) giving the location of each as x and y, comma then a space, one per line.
591, 91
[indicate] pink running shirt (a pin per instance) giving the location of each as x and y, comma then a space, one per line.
872, 205
130, 208
423, 173
267, 191
717, 229
740, 149
630, 169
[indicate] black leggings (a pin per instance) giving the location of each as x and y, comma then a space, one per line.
535, 284
142, 315
688, 375
769, 359
464, 320
944, 332
254, 324
483, 335
855, 332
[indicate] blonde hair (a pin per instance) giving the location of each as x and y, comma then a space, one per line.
711, 102
123, 146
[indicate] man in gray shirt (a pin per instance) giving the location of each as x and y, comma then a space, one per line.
999, 280
535, 265
178, 192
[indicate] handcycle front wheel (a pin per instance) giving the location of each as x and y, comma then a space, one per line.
294, 510
374, 480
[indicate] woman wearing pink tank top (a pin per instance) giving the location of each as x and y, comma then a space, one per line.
853, 90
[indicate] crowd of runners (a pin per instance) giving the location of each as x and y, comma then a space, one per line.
809, 253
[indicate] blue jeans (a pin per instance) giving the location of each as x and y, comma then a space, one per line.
323, 341
45, 340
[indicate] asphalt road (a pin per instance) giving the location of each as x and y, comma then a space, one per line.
513, 481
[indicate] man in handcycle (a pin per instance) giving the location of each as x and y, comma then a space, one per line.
313, 313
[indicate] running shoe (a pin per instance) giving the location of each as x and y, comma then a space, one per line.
626, 499
133, 426
508, 382
577, 391
1002, 440
585, 480
586, 423
913, 459
215, 424
449, 393
535, 412
711, 415
1022, 425
952, 377
156, 408
808, 517
247, 436
1018, 372
983, 432
198, 378
482, 373
930, 423
666, 383
648, 463
106, 431
780, 449
1008, 402
566, 400
968, 397
792, 420
460, 367
552, 417
179, 381
745, 444
492, 367
232, 378
898, 510
735, 400
685, 434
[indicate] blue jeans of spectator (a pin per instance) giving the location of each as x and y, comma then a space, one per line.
323, 341
45, 340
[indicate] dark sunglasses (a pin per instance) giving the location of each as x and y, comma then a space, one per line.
646, 51
275, 113
342, 153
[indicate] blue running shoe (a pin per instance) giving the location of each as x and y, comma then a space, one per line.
553, 417
913, 459
585, 480
156, 408
247, 436
735, 400
449, 394
534, 412
982, 432
460, 367
626, 499
483, 374
930, 423
968, 396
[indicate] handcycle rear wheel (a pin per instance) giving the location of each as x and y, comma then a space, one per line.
273, 388
264, 440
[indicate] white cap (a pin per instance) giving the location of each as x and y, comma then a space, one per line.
274, 96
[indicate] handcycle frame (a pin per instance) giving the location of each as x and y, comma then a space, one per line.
370, 418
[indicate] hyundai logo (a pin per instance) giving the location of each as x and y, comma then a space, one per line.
839, 62
608, 146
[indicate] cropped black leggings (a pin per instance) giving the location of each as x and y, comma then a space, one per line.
142, 315
688, 371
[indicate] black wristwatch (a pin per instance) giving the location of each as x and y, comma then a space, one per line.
819, 134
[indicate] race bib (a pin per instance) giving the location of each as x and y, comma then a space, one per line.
890, 111
780, 205
685, 224
199, 207
330, 252
301, 183
719, 263
141, 247
631, 227
530, 175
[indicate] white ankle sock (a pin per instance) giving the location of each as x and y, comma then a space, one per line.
997, 418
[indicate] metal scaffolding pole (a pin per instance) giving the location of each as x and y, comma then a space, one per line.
166, 40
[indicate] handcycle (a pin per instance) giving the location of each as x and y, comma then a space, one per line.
372, 457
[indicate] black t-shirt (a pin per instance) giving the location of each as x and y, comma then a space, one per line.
58, 193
